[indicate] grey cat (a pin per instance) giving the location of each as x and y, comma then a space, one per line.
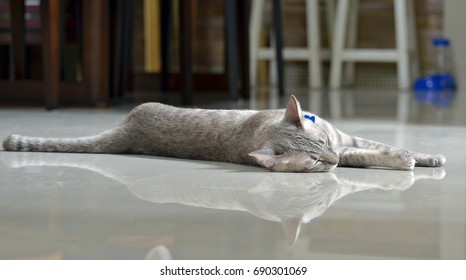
281, 140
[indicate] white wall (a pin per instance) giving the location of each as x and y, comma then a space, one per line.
455, 30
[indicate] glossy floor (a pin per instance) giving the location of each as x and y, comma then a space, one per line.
83, 206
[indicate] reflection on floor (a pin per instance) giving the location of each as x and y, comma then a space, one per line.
88, 206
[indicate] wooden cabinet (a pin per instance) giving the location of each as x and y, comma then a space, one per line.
82, 27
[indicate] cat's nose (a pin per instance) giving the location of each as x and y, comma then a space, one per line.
330, 157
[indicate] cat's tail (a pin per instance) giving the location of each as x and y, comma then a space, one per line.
109, 141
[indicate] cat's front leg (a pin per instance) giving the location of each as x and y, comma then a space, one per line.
422, 160
388, 158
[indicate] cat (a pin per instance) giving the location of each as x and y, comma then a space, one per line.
288, 140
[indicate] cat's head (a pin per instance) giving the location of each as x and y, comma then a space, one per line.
297, 144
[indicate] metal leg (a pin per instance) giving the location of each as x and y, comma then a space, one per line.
313, 44
243, 37
401, 26
126, 66
402, 41
412, 44
351, 40
51, 46
118, 53
338, 41
337, 59
186, 51
18, 53
166, 18
254, 42
231, 48
330, 18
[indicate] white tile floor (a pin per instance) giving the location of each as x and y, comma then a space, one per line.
82, 206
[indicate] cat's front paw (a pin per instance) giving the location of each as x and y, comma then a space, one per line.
430, 161
437, 161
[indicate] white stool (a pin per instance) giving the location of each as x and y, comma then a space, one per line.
405, 45
312, 53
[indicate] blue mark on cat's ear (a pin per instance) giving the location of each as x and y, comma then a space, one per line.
311, 118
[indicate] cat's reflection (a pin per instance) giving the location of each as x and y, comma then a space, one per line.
289, 198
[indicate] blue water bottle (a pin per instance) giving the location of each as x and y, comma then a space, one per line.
439, 88
442, 56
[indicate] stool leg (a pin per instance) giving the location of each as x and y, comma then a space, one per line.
272, 67
277, 23
185, 8
337, 58
412, 36
338, 40
126, 67
166, 24
51, 44
243, 42
351, 39
254, 39
330, 17
349, 67
314, 57
401, 27
313, 44
231, 48
18, 56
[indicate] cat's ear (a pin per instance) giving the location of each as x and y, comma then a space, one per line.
293, 112
292, 228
